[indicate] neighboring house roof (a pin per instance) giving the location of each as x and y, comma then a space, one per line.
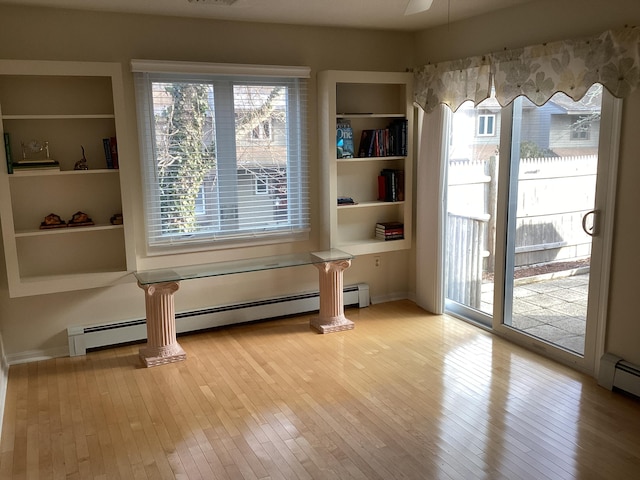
564, 104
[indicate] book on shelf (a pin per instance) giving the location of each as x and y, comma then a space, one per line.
398, 137
344, 139
24, 167
110, 146
391, 185
366, 147
390, 231
384, 142
7, 152
106, 144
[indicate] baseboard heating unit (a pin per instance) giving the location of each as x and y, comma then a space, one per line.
83, 338
615, 373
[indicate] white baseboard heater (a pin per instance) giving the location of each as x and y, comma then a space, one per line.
83, 338
615, 373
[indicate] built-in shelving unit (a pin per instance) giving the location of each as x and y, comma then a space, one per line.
70, 105
368, 101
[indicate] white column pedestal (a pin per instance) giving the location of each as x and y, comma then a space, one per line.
331, 317
162, 346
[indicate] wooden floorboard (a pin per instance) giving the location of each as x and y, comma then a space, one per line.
405, 395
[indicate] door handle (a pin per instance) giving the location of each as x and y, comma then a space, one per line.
594, 230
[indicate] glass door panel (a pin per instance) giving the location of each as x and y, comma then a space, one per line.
554, 165
472, 173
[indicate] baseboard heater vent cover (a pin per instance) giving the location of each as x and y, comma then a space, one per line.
615, 373
83, 338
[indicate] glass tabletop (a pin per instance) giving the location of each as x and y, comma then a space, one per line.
176, 274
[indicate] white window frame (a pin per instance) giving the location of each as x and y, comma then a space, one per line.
260, 133
580, 133
261, 184
485, 117
296, 225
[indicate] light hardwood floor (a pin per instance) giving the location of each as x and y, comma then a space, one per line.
405, 395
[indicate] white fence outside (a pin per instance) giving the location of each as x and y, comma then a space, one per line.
553, 196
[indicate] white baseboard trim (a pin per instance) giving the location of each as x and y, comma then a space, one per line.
37, 355
391, 297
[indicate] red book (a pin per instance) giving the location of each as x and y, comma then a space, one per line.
382, 188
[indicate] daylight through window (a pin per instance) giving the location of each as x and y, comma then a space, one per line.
224, 156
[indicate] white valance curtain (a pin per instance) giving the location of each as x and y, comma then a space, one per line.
537, 72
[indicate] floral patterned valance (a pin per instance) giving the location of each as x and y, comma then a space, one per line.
537, 72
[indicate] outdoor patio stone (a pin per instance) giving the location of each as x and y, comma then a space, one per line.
547, 332
571, 309
567, 295
542, 287
545, 301
523, 322
575, 344
524, 307
572, 324
522, 292
553, 310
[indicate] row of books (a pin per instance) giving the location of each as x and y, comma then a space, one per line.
384, 142
391, 185
389, 231
111, 152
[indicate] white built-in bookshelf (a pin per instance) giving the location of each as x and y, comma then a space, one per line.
69, 105
367, 101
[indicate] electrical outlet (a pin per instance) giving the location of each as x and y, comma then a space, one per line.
376, 261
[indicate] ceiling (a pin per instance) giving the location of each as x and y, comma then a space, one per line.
375, 14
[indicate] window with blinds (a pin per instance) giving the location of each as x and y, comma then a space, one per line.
224, 153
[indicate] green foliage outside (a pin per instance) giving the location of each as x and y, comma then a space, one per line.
532, 150
186, 160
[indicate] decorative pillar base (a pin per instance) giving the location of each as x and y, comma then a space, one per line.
337, 324
152, 357
331, 317
162, 346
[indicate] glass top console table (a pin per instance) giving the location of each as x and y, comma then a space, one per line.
160, 285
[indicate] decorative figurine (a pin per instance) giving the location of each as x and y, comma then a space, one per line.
52, 221
82, 163
116, 219
80, 219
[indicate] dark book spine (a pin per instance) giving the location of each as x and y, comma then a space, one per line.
106, 143
114, 152
7, 151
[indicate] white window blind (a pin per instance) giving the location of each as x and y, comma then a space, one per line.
209, 132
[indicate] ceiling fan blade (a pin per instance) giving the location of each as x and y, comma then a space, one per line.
417, 6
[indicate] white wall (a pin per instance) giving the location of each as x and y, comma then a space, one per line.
549, 20
36, 326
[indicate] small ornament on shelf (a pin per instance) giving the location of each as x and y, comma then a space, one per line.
116, 219
52, 221
80, 219
346, 201
35, 150
82, 163
35, 157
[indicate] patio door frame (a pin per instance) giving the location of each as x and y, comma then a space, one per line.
611, 114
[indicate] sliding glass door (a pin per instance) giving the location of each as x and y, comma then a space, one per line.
528, 190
